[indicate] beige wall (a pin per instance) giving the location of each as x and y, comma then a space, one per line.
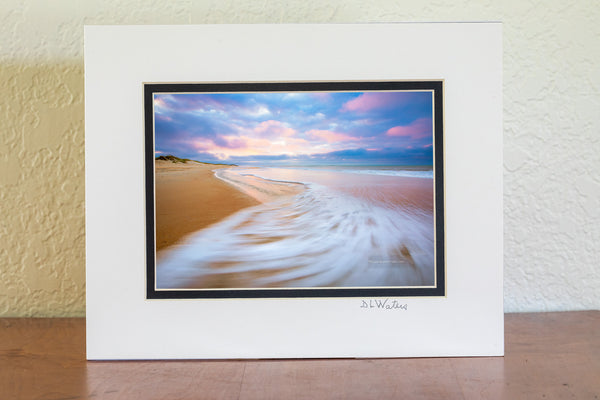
551, 136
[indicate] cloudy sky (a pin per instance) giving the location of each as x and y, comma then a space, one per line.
302, 128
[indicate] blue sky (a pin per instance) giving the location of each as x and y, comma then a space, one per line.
297, 128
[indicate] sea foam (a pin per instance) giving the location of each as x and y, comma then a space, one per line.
307, 234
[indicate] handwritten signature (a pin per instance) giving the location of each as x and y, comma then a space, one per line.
384, 304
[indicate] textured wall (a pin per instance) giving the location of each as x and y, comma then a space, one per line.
551, 136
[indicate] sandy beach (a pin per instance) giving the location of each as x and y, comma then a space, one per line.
189, 198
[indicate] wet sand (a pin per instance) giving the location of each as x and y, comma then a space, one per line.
189, 198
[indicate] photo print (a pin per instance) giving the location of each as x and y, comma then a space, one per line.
294, 189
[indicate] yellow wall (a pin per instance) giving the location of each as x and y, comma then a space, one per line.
551, 131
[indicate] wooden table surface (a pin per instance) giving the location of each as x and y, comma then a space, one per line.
548, 356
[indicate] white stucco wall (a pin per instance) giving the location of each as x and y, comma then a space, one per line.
551, 136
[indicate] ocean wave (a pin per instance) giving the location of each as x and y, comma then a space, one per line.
390, 172
265, 173
317, 237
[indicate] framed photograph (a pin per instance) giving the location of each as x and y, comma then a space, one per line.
296, 189
293, 191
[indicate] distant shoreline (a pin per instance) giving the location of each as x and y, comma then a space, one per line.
175, 160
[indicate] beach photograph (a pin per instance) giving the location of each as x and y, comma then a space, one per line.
294, 189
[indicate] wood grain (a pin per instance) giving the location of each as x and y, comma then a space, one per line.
548, 356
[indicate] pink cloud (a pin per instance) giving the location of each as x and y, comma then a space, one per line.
165, 118
369, 101
272, 128
204, 145
224, 146
418, 129
234, 142
322, 96
329, 136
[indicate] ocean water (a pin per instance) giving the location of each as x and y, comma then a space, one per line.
316, 227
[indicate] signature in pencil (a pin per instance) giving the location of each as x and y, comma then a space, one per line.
384, 304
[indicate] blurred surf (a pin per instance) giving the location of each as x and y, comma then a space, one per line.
315, 228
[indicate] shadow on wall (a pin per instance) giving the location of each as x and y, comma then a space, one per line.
42, 230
